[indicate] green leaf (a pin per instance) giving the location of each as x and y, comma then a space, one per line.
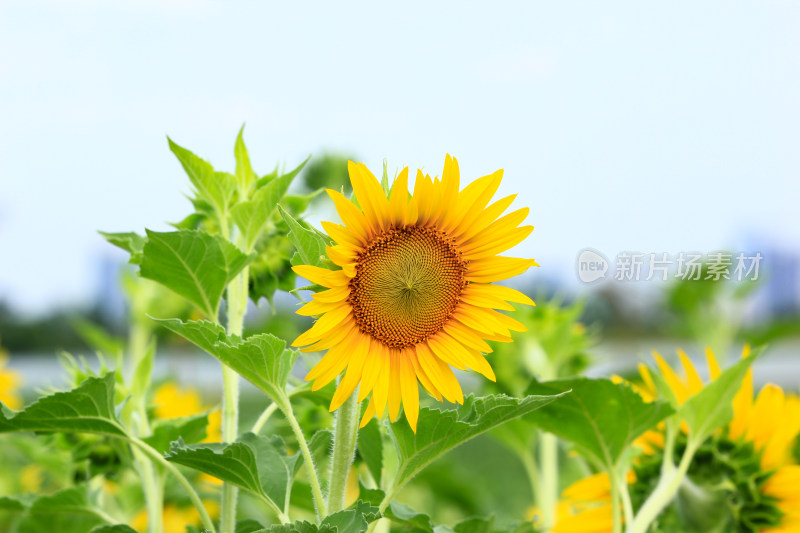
215, 188
475, 525
119, 528
248, 526
189, 429
411, 520
8, 503
320, 447
309, 243
600, 417
194, 264
252, 215
353, 520
370, 448
712, 407
441, 431
298, 527
244, 171
89, 408
67, 511
254, 462
133, 243
261, 359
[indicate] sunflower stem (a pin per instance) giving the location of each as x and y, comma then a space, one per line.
237, 305
344, 448
311, 470
664, 492
615, 507
156, 457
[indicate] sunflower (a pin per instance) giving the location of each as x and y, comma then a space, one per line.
413, 295
10, 383
746, 469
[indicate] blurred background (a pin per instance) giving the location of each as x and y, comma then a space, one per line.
627, 129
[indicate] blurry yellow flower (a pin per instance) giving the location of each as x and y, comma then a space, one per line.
771, 423
10, 384
30, 478
172, 401
415, 294
175, 519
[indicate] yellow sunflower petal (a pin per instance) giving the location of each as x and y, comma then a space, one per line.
475, 226
466, 336
369, 412
713, 367
441, 375
767, 411
498, 291
398, 199
359, 354
322, 276
497, 268
370, 195
694, 383
505, 241
471, 200
409, 390
339, 294
372, 368
395, 397
342, 235
353, 218
422, 376
672, 379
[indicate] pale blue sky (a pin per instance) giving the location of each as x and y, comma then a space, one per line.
624, 126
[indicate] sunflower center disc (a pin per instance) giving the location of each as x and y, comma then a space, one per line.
408, 282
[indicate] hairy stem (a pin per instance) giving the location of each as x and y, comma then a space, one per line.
271, 408
344, 448
664, 493
172, 469
319, 501
237, 305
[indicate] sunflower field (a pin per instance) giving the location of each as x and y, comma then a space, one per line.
416, 390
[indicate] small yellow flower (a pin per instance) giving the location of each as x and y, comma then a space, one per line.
30, 478
172, 401
415, 293
10, 384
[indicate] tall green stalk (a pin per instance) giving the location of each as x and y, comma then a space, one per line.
237, 305
344, 449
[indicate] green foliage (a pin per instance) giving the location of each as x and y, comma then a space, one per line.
190, 429
66, 511
88, 408
370, 448
133, 243
216, 189
712, 407
441, 431
310, 244
601, 418
328, 171
194, 264
251, 215
261, 359
255, 463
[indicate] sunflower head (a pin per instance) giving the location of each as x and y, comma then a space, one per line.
743, 477
413, 296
